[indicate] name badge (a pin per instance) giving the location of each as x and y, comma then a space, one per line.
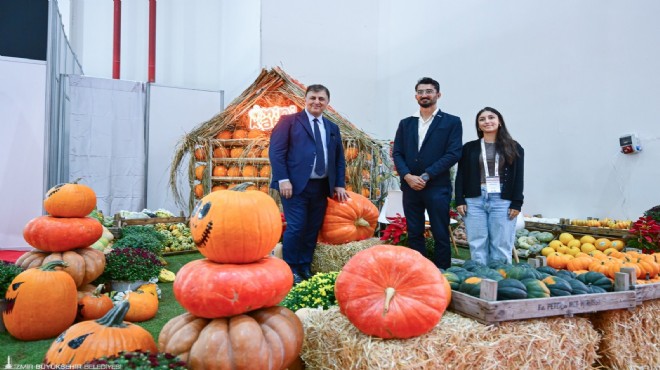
493, 184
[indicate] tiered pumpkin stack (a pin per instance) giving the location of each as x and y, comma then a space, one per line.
62, 239
231, 296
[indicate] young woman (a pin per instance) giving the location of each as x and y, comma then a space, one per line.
489, 188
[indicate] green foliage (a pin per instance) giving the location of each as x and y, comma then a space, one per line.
130, 264
141, 237
318, 291
654, 213
140, 360
8, 271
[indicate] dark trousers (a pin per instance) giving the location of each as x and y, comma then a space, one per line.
304, 215
435, 200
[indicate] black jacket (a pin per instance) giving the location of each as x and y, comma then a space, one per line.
468, 178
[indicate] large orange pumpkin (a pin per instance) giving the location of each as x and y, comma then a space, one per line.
391, 292
352, 220
211, 290
58, 234
269, 338
70, 200
41, 303
236, 226
106, 336
84, 264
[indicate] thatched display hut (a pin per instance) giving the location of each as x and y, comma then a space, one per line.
232, 147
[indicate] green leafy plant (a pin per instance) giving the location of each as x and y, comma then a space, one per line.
8, 271
131, 264
318, 291
139, 360
141, 237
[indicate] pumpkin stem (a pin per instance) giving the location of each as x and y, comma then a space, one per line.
50, 266
389, 294
77, 180
242, 187
97, 292
362, 222
115, 317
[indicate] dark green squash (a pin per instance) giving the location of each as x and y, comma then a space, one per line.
487, 273
470, 265
566, 274
455, 269
520, 273
595, 289
471, 286
578, 287
592, 278
547, 269
462, 275
454, 281
536, 288
511, 289
558, 287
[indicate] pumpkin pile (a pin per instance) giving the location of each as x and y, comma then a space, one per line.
231, 296
66, 233
390, 291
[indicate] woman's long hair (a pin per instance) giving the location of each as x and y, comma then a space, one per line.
504, 143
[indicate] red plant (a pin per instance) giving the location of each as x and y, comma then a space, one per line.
397, 230
645, 234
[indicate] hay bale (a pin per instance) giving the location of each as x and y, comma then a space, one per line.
630, 338
457, 342
329, 258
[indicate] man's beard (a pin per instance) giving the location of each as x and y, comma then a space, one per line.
425, 104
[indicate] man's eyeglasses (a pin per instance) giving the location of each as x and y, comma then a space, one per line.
427, 92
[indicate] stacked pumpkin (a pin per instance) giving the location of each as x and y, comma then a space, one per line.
231, 296
62, 240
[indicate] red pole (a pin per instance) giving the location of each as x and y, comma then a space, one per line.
152, 41
116, 41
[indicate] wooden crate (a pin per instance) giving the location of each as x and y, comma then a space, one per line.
581, 230
488, 310
646, 292
123, 222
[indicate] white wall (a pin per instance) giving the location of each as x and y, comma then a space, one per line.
22, 108
570, 77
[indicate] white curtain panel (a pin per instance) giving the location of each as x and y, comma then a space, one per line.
107, 150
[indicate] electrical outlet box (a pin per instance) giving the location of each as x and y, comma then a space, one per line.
630, 144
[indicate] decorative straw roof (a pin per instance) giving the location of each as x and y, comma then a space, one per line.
276, 88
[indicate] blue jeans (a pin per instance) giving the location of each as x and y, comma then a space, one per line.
490, 232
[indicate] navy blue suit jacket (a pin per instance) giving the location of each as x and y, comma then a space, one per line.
292, 150
440, 150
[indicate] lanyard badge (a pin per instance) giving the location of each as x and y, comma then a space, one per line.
492, 182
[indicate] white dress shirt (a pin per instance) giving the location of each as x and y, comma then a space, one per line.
423, 126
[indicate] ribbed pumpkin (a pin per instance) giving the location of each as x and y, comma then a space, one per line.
70, 200
57, 234
92, 339
41, 303
579, 263
352, 220
94, 305
269, 338
84, 264
391, 292
213, 290
200, 154
236, 226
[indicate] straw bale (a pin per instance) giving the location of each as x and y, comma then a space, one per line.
457, 342
329, 257
630, 338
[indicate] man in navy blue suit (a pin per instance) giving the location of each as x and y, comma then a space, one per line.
308, 166
426, 146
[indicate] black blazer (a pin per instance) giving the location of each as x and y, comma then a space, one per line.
468, 177
440, 150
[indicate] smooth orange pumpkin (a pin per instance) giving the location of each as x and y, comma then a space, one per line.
239, 134
107, 336
84, 264
264, 171
41, 303
221, 152
255, 134
264, 152
220, 171
269, 338
143, 306
352, 220
234, 171
199, 172
236, 152
249, 171
212, 290
94, 305
200, 154
219, 187
199, 190
236, 226
391, 292
223, 135
70, 200
59, 234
